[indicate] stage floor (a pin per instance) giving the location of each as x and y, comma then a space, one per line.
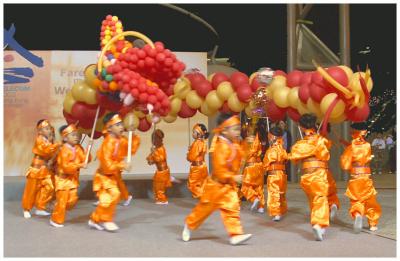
149, 230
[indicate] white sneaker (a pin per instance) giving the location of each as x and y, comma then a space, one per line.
42, 213
27, 214
235, 240
373, 228
260, 210
110, 226
175, 180
318, 232
94, 225
128, 201
276, 218
333, 212
186, 233
96, 203
54, 224
162, 203
255, 204
357, 227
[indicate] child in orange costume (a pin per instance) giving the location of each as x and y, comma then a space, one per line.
198, 169
313, 151
220, 191
162, 178
111, 156
274, 163
360, 189
39, 187
253, 176
70, 159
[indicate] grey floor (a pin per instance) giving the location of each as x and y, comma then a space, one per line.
149, 230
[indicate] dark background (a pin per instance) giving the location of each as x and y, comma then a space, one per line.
250, 35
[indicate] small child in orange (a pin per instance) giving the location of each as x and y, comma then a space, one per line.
198, 169
39, 188
70, 160
360, 189
162, 178
253, 176
274, 162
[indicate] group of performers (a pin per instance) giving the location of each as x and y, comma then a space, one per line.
238, 171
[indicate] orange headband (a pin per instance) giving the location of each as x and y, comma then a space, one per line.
114, 120
198, 129
234, 120
359, 133
43, 124
68, 130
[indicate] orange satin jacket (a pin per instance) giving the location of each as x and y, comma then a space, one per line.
112, 152
275, 157
197, 151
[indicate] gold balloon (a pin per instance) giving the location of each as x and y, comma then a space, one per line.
193, 100
213, 101
235, 104
339, 119
210, 77
131, 119
206, 110
139, 114
182, 87
293, 97
77, 91
169, 118
278, 82
347, 70
69, 101
90, 76
301, 107
224, 90
150, 118
356, 86
280, 96
314, 107
326, 102
176, 104
90, 96
254, 74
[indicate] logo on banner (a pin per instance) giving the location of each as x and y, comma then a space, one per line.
18, 74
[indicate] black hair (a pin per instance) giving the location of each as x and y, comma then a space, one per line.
308, 121
359, 126
204, 129
39, 122
223, 117
62, 128
276, 131
108, 117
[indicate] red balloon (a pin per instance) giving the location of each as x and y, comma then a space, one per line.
106, 103
274, 112
97, 135
317, 79
306, 78
69, 118
144, 125
218, 78
244, 92
152, 99
255, 84
317, 92
186, 111
195, 77
143, 97
238, 78
293, 114
339, 75
279, 72
358, 114
304, 93
293, 78
202, 87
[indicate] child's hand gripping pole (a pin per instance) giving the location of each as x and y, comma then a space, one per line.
89, 148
